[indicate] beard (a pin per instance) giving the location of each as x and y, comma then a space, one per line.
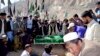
86, 22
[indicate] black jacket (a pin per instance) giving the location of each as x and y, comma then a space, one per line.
8, 26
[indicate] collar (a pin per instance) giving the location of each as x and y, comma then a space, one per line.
91, 23
27, 52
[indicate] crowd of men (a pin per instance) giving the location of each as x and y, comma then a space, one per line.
16, 32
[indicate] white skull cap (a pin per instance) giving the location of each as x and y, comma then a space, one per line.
70, 36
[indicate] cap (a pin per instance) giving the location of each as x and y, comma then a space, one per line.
70, 36
27, 45
71, 25
48, 46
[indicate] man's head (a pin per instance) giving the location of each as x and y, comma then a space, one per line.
9, 17
75, 16
98, 4
30, 16
28, 47
73, 43
3, 15
71, 27
87, 17
48, 49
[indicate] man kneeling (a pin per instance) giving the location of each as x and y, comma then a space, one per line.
80, 47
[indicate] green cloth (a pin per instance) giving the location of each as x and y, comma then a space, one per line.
50, 39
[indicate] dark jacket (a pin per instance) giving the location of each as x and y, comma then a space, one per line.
8, 26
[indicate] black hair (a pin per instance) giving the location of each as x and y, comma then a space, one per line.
9, 16
75, 15
48, 49
30, 15
25, 18
98, 3
2, 14
87, 13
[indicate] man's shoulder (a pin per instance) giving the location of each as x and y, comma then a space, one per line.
96, 25
25, 53
91, 48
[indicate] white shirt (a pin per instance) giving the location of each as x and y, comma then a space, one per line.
45, 54
2, 29
25, 53
93, 31
29, 23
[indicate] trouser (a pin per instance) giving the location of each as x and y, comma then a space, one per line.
10, 36
29, 31
10, 40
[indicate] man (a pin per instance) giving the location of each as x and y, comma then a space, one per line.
98, 11
18, 25
3, 46
64, 26
25, 23
79, 47
44, 27
35, 26
79, 29
93, 28
47, 51
52, 28
77, 20
10, 32
27, 51
59, 25
10, 23
30, 25
3, 23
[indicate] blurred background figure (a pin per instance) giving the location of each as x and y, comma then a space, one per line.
3, 24
10, 32
27, 51
48, 51
97, 10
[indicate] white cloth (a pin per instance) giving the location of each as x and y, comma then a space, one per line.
57, 31
70, 36
25, 53
2, 30
29, 23
93, 31
64, 28
45, 54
